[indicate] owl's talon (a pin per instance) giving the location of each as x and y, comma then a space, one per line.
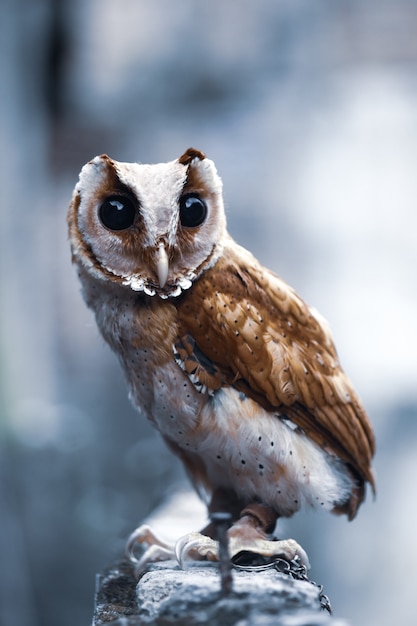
289, 549
144, 535
157, 550
197, 547
153, 554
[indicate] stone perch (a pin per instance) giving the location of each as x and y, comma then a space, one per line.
168, 595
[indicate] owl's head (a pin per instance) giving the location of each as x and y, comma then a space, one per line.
154, 228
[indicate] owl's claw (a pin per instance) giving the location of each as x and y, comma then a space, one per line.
197, 547
157, 550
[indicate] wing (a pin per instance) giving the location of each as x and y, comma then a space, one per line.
241, 325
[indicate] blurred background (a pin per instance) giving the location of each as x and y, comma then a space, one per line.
309, 110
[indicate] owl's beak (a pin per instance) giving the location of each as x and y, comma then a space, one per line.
162, 265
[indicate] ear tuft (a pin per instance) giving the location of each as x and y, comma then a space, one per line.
191, 154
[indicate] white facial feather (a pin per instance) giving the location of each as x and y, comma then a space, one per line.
135, 256
158, 188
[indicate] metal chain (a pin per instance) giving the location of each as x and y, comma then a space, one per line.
298, 571
251, 562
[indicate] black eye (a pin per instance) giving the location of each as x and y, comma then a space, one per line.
117, 213
193, 210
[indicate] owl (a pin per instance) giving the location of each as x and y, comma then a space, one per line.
238, 374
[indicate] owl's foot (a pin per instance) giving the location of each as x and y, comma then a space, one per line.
196, 546
248, 534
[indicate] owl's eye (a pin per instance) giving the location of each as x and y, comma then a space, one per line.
117, 213
193, 210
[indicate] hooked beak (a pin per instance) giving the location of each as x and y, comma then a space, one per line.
162, 265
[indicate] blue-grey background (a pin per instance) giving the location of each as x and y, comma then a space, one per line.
309, 109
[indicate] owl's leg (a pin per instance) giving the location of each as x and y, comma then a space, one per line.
250, 533
226, 501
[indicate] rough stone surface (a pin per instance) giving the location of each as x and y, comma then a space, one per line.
115, 596
168, 595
